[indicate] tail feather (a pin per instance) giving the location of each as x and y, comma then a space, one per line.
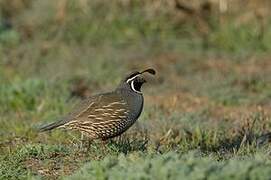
51, 126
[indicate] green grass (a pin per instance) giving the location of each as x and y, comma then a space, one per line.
173, 166
205, 112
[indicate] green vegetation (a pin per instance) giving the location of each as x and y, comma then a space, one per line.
207, 112
173, 166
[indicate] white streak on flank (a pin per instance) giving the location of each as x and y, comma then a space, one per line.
106, 122
106, 114
62, 126
133, 88
117, 102
99, 109
90, 105
122, 117
89, 132
85, 110
71, 123
119, 110
91, 116
114, 103
86, 123
87, 126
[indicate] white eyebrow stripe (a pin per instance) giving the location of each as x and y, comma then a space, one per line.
128, 80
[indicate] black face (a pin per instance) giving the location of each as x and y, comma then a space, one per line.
136, 80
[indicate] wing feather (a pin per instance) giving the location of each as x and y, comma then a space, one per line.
102, 116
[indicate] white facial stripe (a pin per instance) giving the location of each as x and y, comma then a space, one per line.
132, 78
133, 88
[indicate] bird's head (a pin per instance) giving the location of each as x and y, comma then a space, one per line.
135, 80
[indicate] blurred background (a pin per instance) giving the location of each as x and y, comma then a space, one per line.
213, 62
218, 49
97, 39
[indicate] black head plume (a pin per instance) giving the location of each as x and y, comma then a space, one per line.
150, 70
135, 73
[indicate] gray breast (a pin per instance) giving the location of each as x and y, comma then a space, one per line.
135, 103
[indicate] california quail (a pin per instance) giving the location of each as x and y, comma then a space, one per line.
107, 115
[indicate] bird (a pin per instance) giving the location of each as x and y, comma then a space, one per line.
107, 115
